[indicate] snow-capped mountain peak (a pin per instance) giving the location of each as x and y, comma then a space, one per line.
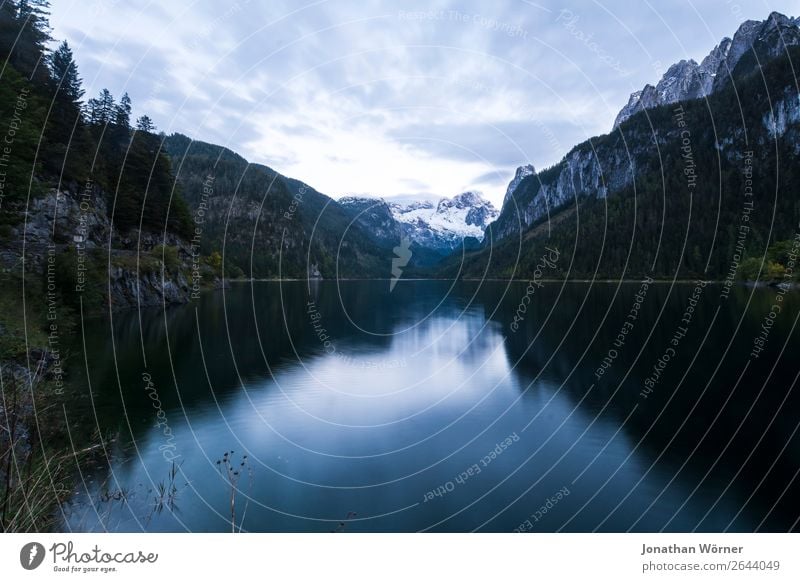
440, 225
447, 223
361, 200
463, 200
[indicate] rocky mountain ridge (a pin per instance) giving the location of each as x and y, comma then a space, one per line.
521, 173
687, 80
600, 166
440, 226
704, 188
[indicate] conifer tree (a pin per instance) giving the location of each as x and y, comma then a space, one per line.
65, 75
122, 113
145, 124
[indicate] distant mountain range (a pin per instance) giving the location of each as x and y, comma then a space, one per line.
662, 194
434, 229
271, 225
740, 103
441, 226
740, 98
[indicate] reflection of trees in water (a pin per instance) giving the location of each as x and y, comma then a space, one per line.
529, 354
229, 350
536, 350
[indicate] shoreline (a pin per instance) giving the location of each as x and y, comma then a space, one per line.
793, 285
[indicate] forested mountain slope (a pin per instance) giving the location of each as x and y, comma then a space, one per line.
689, 189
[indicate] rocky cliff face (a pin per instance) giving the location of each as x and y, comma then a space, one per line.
521, 173
605, 166
129, 288
76, 224
783, 117
580, 173
688, 80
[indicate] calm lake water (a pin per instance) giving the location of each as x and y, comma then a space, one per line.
431, 408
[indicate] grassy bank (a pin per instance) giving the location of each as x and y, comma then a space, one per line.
39, 450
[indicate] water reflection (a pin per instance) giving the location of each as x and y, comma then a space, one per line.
391, 409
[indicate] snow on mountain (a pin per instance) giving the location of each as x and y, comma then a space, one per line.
446, 224
440, 226
688, 80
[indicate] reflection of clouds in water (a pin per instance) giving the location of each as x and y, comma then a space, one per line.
327, 436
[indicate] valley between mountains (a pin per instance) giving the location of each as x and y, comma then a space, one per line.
686, 185
171, 311
663, 195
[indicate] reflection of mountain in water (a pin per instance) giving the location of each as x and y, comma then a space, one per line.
726, 427
418, 383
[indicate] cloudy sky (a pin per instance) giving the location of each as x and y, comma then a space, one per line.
363, 97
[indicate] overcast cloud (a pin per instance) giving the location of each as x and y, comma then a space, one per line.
362, 97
